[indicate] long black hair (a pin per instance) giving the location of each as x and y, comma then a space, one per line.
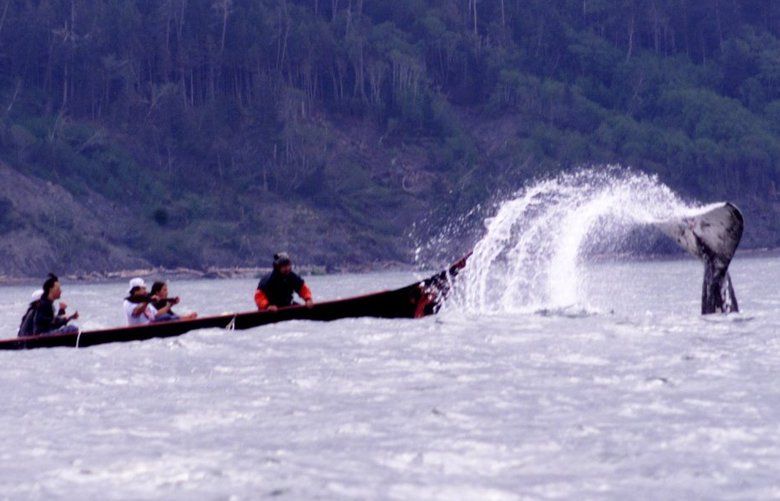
156, 287
49, 283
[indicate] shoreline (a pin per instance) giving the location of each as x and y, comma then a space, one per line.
681, 255
224, 273
211, 273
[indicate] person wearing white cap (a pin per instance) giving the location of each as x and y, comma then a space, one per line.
138, 305
26, 328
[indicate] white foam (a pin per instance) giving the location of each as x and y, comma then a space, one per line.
531, 254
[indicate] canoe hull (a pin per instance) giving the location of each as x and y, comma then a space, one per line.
413, 301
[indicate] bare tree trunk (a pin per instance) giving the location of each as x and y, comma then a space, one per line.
65, 78
503, 14
224, 30
686, 28
48, 79
237, 89
5, 13
170, 159
212, 82
333, 82
474, 3
281, 52
106, 96
167, 43
224, 6
334, 8
656, 27
72, 16
720, 26
183, 90
631, 30
180, 23
284, 41
13, 98
539, 38
181, 68
349, 14
703, 47
360, 72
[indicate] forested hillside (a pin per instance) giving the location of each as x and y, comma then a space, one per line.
212, 132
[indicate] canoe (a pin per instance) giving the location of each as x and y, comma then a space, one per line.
417, 300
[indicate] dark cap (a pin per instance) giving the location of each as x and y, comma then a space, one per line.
281, 259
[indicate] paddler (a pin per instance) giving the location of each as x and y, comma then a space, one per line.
26, 328
46, 321
164, 304
276, 289
138, 304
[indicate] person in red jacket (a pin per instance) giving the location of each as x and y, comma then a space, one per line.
276, 289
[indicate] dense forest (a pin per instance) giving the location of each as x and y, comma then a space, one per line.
213, 132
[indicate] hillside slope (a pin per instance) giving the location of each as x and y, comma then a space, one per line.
198, 134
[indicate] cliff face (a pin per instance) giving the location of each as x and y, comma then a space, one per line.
45, 228
357, 210
371, 201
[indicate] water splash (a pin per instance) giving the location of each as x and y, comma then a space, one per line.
531, 256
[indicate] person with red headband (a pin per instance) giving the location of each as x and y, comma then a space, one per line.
276, 289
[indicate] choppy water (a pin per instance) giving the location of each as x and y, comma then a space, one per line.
544, 377
634, 396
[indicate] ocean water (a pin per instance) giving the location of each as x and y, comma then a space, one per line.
629, 394
554, 371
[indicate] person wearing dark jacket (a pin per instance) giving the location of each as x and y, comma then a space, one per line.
276, 289
46, 321
27, 325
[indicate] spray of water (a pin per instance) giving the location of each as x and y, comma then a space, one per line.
531, 254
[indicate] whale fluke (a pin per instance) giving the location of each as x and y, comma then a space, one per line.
712, 234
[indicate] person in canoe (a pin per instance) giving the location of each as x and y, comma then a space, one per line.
46, 320
276, 289
26, 328
164, 304
138, 304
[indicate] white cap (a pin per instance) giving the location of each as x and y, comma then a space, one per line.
137, 282
36, 295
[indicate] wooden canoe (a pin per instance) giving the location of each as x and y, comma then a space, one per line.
413, 301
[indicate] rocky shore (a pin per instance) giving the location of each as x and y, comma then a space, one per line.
216, 273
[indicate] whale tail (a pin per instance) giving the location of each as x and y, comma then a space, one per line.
712, 234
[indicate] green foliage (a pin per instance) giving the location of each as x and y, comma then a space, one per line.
6, 215
773, 115
161, 216
187, 112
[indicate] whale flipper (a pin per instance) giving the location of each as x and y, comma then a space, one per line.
712, 234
